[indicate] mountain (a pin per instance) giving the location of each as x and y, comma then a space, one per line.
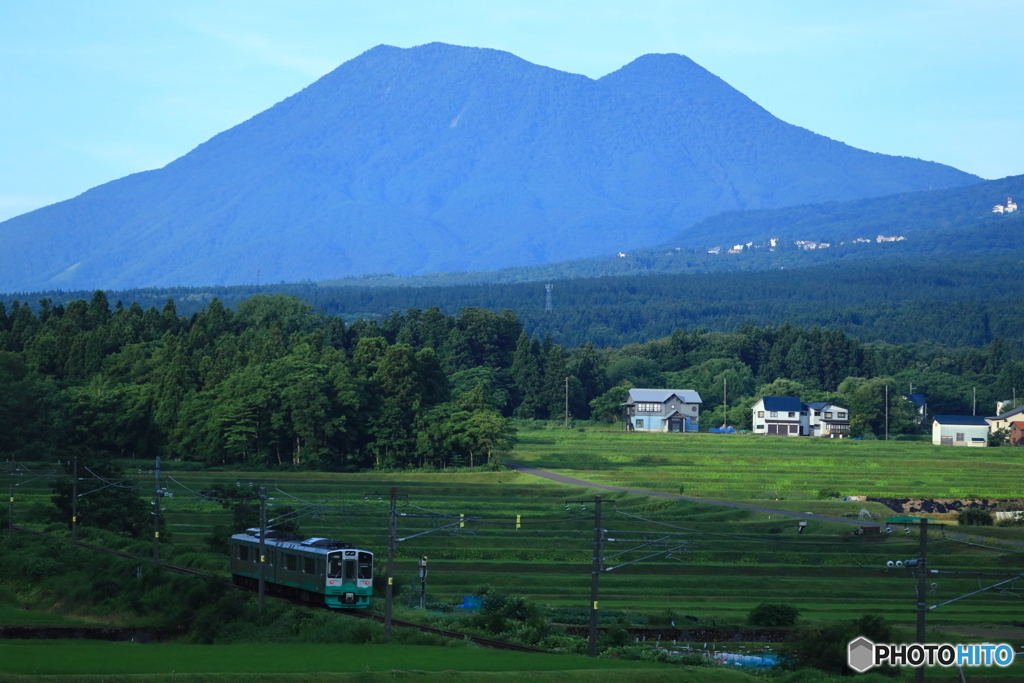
440, 158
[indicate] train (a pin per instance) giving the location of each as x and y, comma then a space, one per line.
316, 570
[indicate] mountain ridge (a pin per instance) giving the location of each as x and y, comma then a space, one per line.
440, 158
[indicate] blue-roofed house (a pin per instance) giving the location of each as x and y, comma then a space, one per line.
920, 406
781, 416
662, 410
960, 430
790, 416
828, 420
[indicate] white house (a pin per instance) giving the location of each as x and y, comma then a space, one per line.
827, 420
789, 416
782, 416
960, 430
663, 410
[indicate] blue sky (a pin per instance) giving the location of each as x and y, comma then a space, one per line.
90, 92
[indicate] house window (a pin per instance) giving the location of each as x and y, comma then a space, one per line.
817, 413
841, 416
828, 415
803, 412
758, 426
959, 436
693, 409
773, 413
640, 424
760, 413
648, 407
792, 414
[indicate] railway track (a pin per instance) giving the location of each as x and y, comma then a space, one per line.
478, 640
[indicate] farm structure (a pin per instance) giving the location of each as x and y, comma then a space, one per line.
662, 410
317, 570
960, 430
789, 416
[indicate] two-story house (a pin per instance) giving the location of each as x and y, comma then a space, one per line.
827, 420
789, 416
781, 415
662, 410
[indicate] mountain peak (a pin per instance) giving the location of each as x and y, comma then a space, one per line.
443, 157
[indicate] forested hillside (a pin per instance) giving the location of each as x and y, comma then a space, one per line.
439, 158
274, 384
954, 299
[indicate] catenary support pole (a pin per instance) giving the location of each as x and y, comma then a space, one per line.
10, 507
74, 501
595, 575
263, 545
922, 571
392, 542
156, 515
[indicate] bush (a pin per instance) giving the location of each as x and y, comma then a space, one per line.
825, 494
974, 517
825, 649
770, 615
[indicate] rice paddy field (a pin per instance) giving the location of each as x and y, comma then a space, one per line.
723, 561
732, 466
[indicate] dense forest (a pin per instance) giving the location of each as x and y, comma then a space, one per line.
966, 299
276, 384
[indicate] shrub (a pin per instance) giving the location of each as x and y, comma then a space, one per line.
825, 494
825, 649
974, 517
768, 614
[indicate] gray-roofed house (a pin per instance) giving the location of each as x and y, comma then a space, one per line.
663, 410
960, 430
1004, 420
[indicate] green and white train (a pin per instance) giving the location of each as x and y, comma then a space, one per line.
316, 570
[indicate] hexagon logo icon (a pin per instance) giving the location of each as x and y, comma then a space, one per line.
860, 654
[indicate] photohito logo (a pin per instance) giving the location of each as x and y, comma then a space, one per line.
862, 654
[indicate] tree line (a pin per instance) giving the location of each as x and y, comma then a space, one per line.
274, 383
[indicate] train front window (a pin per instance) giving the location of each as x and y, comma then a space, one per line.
365, 566
334, 566
350, 570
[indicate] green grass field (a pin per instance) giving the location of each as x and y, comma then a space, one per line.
733, 559
91, 658
751, 466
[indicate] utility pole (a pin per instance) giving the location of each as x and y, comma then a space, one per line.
566, 402
725, 403
974, 401
392, 542
156, 515
595, 575
263, 544
886, 412
922, 570
10, 506
74, 501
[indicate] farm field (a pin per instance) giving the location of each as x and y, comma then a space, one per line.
726, 560
91, 658
730, 560
745, 466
